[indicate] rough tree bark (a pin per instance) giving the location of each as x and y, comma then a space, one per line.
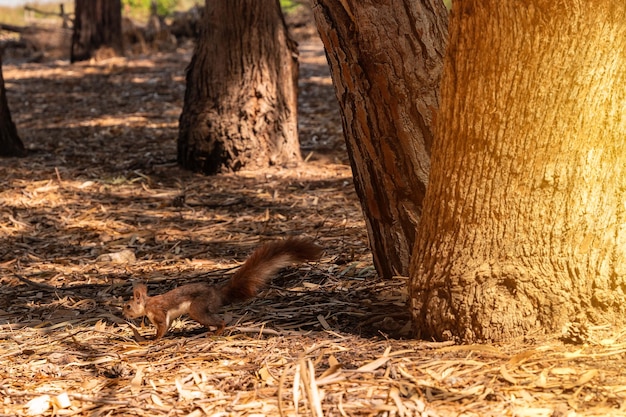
98, 24
10, 142
240, 107
386, 60
524, 226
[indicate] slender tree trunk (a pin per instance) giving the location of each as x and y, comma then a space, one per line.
524, 225
387, 86
10, 142
98, 23
240, 107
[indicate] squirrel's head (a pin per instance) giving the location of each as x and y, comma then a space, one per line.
136, 307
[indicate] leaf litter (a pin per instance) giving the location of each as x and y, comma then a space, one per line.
100, 204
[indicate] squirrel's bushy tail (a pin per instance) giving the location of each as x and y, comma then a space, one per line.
265, 262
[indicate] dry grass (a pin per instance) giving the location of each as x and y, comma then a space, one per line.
323, 339
16, 15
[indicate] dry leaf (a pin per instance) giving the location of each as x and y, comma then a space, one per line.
375, 364
100, 326
38, 405
266, 376
323, 322
586, 377
125, 256
137, 381
157, 400
61, 401
507, 376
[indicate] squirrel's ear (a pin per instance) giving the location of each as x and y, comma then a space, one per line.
140, 291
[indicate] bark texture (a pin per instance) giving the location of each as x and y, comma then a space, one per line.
386, 60
98, 24
523, 227
10, 142
240, 107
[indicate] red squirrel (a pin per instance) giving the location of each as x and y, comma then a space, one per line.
202, 301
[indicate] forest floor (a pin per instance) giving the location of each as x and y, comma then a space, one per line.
96, 206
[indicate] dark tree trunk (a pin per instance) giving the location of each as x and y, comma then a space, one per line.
240, 104
10, 142
388, 91
98, 24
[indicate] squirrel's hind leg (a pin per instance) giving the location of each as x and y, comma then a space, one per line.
207, 319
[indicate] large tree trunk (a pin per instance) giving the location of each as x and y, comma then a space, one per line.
98, 24
387, 87
10, 142
524, 226
240, 107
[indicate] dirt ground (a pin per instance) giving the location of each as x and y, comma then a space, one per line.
100, 203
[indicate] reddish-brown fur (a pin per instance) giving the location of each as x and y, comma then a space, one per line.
202, 301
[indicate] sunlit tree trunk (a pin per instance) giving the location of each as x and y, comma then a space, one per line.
10, 142
98, 24
386, 60
240, 108
524, 225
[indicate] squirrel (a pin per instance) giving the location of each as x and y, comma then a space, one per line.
201, 301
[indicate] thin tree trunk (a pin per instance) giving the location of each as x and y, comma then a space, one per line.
387, 86
240, 108
98, 24
10, 142
523, 227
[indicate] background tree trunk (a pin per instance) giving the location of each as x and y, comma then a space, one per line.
240, 107
10, 142
388, 90
98, 23
524, 225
